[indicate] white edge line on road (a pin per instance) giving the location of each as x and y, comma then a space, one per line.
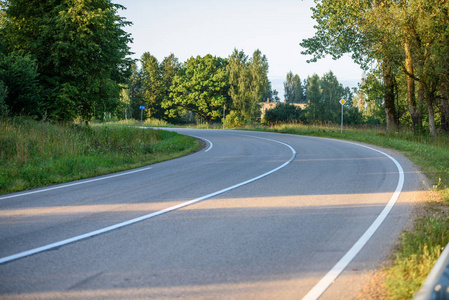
327, 280
13, 257
74, 183
201, 138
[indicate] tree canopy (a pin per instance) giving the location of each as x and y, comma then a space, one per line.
399, 39
80, 49
201, 87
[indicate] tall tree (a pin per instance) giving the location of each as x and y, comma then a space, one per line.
332, 93
314, 98
294, 91
153, 86
239, 83
169, 67
248, 83
81, 50
201, 87
135, 91
258, 69
346, 27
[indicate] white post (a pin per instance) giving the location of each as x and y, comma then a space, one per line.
342, 102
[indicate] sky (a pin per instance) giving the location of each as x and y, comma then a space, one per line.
189, 28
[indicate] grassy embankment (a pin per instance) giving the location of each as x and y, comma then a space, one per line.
419, 248
34, 154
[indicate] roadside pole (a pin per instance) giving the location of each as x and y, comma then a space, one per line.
342, 102
224, 109
141, 113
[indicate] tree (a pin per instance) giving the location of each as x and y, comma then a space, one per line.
81, 52
135, 91
153, 86
324, 95
294, 91
201, 87
4, 110
349, 27
275, 96
239, 83
408, 37
268, 96
258, 68
21, 90
169, 67
314, 98
248, 83
332, 93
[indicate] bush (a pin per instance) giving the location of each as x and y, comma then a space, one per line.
234, 120
284, 113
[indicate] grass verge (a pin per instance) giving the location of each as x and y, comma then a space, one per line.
35, 154
420, 248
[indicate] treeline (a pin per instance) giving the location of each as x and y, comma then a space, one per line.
403, 45
60, 62
321, 96
205, 88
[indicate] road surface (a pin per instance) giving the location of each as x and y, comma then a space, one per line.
251, 216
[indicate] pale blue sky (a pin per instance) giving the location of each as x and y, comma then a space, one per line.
198, 27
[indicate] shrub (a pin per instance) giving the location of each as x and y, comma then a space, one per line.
284, 113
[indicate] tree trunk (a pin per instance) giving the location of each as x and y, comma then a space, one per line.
390, 108
432, 127
429, 94
414, 110
444, 93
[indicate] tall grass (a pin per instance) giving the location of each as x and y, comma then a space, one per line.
147, 122
34, 154
419, 250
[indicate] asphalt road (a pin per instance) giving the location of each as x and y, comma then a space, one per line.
251, 216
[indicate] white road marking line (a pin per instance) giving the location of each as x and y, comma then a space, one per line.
201, 138
13, 257
74, 183
327, 280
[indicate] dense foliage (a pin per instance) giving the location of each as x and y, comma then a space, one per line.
78, 49
293, 89
200, 89
404, 45
284, 113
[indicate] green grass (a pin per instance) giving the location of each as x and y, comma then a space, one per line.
421, 247
35, 154
419, 250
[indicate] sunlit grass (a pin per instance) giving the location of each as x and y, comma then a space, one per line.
34, 154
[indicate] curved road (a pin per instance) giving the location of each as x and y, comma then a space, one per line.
252, 215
